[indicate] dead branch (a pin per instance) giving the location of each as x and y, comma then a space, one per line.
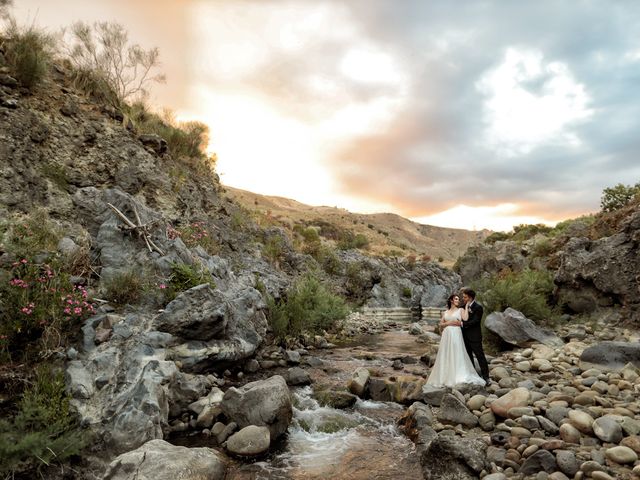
143, 230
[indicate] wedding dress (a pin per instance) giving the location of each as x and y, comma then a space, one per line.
452, 365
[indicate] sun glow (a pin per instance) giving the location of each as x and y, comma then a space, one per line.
501, 217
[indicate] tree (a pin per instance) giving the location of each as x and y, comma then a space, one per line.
614, 198
103, 49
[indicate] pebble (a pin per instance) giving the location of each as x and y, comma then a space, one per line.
621, 455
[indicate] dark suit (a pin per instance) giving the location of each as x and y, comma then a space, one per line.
472, 335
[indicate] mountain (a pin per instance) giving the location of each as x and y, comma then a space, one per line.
387, 233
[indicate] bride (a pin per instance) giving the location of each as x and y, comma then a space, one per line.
452, 365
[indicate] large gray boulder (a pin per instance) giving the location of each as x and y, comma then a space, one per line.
199, 313
611, 355
250, 441
449, 457
453, 411
159, 460
262, 403
513, 327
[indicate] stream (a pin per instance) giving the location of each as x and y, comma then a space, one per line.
358, 443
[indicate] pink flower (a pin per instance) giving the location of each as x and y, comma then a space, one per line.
24, 261
77, 310
162, 286
67, 311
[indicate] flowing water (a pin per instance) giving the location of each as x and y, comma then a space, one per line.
359, 443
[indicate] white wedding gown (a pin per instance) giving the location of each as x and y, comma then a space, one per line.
452, 365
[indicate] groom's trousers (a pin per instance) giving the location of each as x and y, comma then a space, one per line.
475, 348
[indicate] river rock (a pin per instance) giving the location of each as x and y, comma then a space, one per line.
262, 403
298, 376
159, 460
607, 429
359, 381
476, 402
633, 442
249, 442
405, 389
621, 455
581, 420
335, 399
518, 397
567, 462
450, 457
378, 390
611, 355
432, 395
513, 327
542, 460
569, 433
452, 410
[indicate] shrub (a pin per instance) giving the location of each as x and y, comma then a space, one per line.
195, 234
328, 260
497, 237
618, 196
29, 52
307, 307
44, 429
406, 292
525, 232
103, 50
528, 291
350, 241
273, 249
185, 276
32, 234
38, 303
187, 140
543, 248
125, 288
569, 226
440, 259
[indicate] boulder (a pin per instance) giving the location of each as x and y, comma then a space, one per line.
199, 313
249, 442
159, 460
262, 403
432, 395
335, 399
542, 460
453, 411
359, 382
518, 397
513, 327
611, 355
451, 457
405, 389
298, 376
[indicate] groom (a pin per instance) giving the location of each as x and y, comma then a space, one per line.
472, 330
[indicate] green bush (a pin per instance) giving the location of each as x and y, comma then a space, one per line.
328, 260
29, 52
185, 276
125, 288
618, 196
348, 240
497, 237
543, 248
32, 234
184, 139
307, 307
273, 249
528, 291
579, 223
43, 431
525, 232
39, 305
406, 292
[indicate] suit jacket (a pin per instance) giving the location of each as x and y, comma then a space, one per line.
472, 328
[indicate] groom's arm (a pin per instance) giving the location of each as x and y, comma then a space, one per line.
475, 317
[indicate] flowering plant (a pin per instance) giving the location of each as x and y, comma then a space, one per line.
194, 234
38, 300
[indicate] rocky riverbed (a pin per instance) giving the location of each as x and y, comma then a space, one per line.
362, 410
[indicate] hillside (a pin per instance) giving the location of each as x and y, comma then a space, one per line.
387, 233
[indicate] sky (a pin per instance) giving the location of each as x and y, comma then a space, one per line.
466, 114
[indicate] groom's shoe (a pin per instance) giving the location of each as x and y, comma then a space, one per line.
487, 380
